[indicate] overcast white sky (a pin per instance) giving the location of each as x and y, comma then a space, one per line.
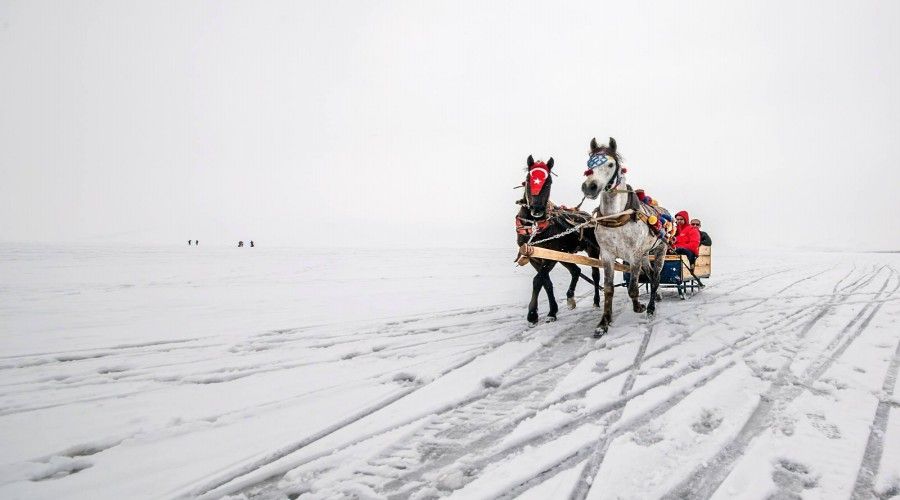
407, 123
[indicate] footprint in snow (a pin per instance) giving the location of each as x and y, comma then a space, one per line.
708, 421
822, 425
648, 435
792, 478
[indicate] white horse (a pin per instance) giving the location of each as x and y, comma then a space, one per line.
624, 231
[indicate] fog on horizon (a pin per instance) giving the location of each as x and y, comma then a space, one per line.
407, 124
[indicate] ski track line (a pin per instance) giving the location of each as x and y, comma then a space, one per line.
865, 478
213, 487
706, 478
604, 442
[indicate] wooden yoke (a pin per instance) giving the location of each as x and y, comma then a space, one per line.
526, 252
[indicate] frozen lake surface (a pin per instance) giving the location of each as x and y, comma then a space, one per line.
182, 372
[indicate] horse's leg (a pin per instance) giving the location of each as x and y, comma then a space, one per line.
575, 271
648, 272
548, 287
536, 283
608, 276
659, 257
633, 285
595, 275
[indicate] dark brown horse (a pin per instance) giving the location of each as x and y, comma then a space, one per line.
539, 215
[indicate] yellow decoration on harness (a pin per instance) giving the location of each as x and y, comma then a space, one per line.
652, 220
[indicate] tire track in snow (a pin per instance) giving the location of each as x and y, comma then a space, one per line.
708, 476
865, 478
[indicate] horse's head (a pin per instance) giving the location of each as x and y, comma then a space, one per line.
537, 187
604, 169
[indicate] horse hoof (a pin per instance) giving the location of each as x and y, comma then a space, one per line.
551, 319
650, 312
639, 308
570, 301
598, 333
532, 317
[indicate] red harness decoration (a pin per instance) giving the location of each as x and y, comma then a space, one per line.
526, 227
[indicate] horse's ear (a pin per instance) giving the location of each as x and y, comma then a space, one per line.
550, 163
612, 144
594, 145
530, 161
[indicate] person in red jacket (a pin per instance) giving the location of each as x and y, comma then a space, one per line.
687, 238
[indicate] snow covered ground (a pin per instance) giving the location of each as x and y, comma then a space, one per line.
271, 373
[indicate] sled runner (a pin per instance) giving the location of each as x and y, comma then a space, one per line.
677, 272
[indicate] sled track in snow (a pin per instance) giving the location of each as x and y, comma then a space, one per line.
743, 346
399, 485
525, 371
706, 478
600, 446
490, 416
865, 478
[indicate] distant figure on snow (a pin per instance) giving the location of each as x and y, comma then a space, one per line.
251, 244
704, 238
197, 242
240, 244
189, 242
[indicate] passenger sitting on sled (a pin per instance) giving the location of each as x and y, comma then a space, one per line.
705, 240
687, 239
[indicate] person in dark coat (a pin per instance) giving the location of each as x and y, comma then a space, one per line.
704, 238
251, 244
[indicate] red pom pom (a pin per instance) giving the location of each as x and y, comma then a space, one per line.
624, 170
588, 172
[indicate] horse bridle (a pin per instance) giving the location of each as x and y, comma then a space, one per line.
614, 180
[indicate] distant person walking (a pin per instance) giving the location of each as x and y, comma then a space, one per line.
197, 242
189, 242
240, 244
251, 244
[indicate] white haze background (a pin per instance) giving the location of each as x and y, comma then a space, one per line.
408, 123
